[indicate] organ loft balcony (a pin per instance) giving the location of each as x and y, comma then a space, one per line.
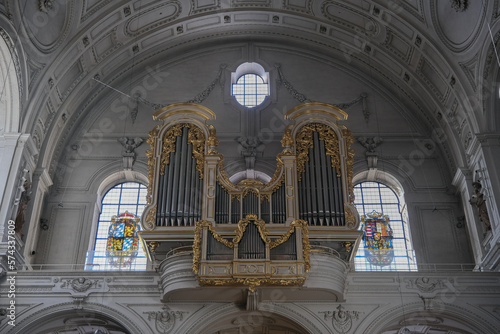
213, 239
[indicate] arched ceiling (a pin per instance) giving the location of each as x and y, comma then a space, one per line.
428, 58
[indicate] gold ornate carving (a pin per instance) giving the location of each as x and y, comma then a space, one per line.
250, 183
287, 140
222, 177
304, 142
347, 246
252, 283
212, 140
198, 229
239, 190
242, 225
349, 217
306, 246
153, 245
279, 175
285, 236
149, 221
169, 145
220, 239
349, 139
195, 137
153, 134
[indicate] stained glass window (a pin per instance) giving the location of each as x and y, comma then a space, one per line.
376, 197
127, 199
250, 90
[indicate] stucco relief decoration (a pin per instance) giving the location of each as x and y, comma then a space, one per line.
478, 200
341, 319
165, 319
428, 289
80, 284
459, 5
370, 143
45, 5
128, 153
21, 209
426, 284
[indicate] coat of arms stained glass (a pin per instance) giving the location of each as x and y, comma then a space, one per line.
377, 237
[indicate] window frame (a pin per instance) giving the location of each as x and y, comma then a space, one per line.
140, 201
251, 68
401, 229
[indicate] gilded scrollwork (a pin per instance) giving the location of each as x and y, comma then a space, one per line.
252, 283
306, 246
153, 134
195, 137
197, 244
239, 190
261, 226
349, 139
304, 142
169, 145
149, 221
349, 217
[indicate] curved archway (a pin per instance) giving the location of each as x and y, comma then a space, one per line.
446, 317
9, 93
90, 318
231, 319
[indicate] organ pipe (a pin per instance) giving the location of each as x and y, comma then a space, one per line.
320, 189
179, 193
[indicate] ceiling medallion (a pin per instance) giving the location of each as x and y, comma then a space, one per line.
459, 5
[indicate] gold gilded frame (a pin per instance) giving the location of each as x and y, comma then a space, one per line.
304, 140
264, 233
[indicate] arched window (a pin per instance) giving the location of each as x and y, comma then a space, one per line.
385, 247
250, 85
119, 206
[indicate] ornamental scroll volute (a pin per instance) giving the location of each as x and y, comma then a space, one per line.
176, 160
324, 166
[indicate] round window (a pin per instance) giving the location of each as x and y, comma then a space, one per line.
250, 90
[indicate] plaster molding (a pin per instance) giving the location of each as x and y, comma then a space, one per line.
43, 6
177, 6
459, 6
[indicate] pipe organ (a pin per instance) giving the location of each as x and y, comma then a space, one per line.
250, 233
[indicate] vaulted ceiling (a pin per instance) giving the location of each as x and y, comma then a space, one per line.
434, 59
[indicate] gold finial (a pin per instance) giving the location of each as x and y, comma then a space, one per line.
212, 137
287, 141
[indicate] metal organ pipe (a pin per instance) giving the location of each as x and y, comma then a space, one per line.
324, 183
325, 172
180, 214
187, 187
320, 189
317, 179
160, 210
178, 202
340, 199
180, 152
332, 194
